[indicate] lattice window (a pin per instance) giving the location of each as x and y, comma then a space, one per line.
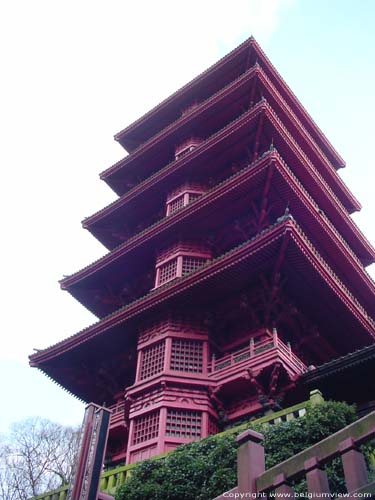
194, 196
176, 204
190, 264
152, 360
168, 271
184, 424
146, 427
187, 356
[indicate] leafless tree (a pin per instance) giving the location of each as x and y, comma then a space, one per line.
36, 457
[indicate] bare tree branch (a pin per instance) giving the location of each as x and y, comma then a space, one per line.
37, 456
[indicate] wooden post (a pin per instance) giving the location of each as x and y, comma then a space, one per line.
354, 464
317, 481
316, 397
250, 461
179, 266
282, 488
111, 482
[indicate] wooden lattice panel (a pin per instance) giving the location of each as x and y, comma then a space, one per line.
152, 360
191, 263
168, 271
184, 424
187, 356
176, 204
194, 196
146, 427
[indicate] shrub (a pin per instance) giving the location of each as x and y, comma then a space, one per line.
203, 470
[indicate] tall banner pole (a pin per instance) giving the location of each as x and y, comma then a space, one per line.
90, 456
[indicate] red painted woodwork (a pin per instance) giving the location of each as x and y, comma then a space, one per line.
233, 268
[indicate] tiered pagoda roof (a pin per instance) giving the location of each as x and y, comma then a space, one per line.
282, 244
273, 209
285, 190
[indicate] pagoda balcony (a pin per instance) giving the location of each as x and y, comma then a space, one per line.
118, 433
255, 357
117, 421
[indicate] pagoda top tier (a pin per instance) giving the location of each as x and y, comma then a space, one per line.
204, 86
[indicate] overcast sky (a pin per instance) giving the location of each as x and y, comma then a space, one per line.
73, 73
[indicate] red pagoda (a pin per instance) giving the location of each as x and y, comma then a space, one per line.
233, 267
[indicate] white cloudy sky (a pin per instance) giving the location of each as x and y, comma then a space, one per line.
75, 73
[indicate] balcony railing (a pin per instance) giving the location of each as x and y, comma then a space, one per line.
117, 415
253, 351
254, 481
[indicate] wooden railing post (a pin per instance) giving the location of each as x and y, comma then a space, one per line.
317, 481
111, 482
354, 464
103, 484
316, 397
250, 461
282, 487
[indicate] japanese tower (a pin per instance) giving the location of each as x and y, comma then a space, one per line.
233, 264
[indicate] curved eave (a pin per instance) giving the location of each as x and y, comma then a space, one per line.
148, 147
321, 191
344, 379
231, 272
112, 207
124, 136
285, 183
316, 184
301, 112
336, 183
172, 101
301, 135
364, 355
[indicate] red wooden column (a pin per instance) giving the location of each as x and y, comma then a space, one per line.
167, 355
162, 431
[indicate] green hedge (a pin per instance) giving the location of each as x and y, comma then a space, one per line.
204, 470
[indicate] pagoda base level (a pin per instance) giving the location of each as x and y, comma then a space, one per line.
167, 418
